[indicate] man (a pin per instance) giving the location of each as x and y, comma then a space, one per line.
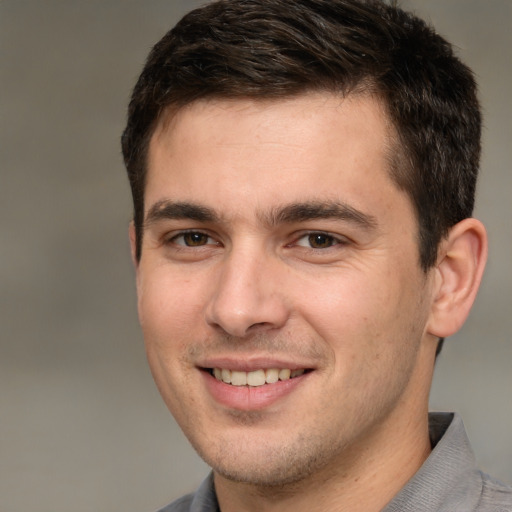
303, 176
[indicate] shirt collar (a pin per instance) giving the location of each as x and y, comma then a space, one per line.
447, 480
205, 499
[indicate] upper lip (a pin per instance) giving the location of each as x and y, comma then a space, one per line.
249, 364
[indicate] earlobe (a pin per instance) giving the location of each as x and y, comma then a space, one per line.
459, 270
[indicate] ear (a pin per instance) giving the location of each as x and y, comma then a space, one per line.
459, 270
133, 244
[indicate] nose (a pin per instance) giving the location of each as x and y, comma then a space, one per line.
248, 297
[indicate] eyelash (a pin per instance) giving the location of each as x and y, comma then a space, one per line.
174, 239
328, 239
331, 240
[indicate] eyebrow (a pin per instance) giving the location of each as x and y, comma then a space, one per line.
169, 210
288, 214
301, 212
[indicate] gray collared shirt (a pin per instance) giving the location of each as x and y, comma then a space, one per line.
448, 481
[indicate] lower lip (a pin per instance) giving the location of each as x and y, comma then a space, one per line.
249, 398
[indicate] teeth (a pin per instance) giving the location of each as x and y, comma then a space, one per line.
272, 376
284, 374
255, 378
225, 376
238, 378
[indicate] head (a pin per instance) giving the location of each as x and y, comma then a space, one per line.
264, 49
302, 173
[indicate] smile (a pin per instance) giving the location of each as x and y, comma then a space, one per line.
255, 378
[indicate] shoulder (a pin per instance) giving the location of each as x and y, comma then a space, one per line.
180, 505
496, 496
203, 500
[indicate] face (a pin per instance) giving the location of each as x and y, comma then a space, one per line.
282, 303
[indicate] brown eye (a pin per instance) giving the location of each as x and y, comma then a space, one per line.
195, 239
321, 240
192, 239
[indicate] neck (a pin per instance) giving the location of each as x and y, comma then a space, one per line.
366, 479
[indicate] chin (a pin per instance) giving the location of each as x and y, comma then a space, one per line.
264, 476
267, 467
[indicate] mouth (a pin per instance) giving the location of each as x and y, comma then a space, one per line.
256, 378
252, 386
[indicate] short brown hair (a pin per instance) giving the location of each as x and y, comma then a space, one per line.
281, 48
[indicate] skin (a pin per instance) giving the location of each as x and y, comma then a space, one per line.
251, 288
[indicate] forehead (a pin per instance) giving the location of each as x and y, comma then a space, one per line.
242, 153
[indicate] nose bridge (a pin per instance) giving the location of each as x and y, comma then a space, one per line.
247, 297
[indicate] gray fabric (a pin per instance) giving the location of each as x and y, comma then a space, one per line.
203, 500
448, 481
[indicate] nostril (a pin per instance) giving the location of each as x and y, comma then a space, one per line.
258, 325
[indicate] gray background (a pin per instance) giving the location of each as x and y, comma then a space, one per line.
82, 427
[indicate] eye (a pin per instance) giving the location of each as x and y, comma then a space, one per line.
192, 239
318, 240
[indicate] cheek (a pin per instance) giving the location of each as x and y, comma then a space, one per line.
168, 303
346, 300
170, 312
169, 306
362, 314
